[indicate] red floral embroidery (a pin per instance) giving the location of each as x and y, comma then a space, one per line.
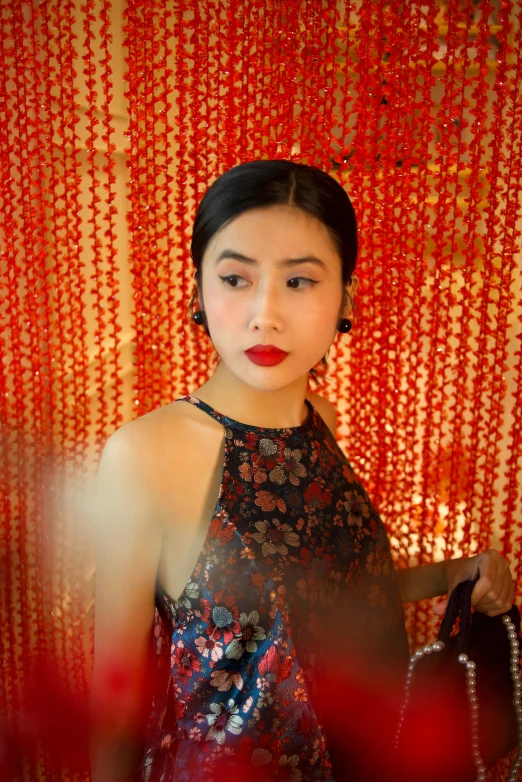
316, 498
185, 662
222, 617
268, 501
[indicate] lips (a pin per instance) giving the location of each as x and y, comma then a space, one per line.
266, 355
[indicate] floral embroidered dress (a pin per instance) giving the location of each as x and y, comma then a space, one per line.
295, 565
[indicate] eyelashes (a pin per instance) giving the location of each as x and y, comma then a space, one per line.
232, 280
309, 282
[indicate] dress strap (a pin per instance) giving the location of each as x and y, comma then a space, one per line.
193, 400
261, 430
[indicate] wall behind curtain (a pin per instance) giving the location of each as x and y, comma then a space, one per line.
115, 117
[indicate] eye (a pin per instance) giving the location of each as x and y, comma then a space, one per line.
233, 280
294, 282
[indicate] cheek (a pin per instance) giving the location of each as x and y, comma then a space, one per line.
222, 314
319, 317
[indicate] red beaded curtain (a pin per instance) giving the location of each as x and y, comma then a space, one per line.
115, 119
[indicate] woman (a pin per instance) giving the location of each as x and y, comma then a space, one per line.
238, 500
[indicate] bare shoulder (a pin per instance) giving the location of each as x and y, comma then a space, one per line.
326, 410
159, 454
157, 438
134, 454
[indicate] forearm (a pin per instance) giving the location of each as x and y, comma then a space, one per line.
118, 719
114, 758
425, 581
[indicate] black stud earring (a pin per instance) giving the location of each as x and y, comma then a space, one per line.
344, 326
199, 318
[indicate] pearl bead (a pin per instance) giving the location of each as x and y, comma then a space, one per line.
471, 675
470, 665
438, 646
463, 658
419, 653
517, 703
506, 619
510, 627
512, 636
514, 669
427, 649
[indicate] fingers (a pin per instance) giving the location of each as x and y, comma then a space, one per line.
440, 608
494, 591
504, 601
487, 565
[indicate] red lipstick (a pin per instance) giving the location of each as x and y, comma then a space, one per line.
266, 355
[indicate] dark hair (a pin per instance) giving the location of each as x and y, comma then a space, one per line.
262, 183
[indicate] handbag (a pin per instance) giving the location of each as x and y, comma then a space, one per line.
462, 705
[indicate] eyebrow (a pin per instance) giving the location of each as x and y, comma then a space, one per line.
287, 262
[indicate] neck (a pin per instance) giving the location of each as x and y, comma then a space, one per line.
271, 409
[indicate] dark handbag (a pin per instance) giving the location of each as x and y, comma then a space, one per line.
462, 710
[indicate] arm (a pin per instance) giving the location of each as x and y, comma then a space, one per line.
127, 547
493, 593
423, 582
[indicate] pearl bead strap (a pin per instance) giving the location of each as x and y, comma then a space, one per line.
471, 691
517, 687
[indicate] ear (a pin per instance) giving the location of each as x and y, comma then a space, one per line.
349, 295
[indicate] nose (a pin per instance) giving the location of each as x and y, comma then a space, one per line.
267, 309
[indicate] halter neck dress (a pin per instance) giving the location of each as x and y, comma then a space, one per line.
295, 568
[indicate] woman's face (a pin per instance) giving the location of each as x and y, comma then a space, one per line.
272, 277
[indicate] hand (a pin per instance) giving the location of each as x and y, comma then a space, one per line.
493, 593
